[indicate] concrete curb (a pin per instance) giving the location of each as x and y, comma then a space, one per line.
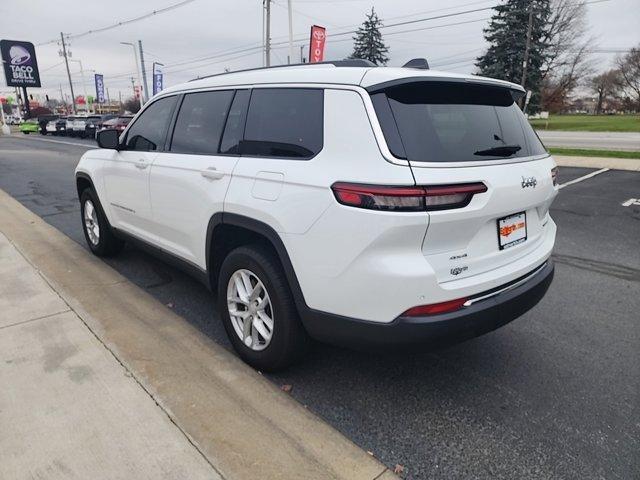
598, 162
241, 423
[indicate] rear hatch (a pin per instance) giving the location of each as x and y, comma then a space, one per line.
455, 133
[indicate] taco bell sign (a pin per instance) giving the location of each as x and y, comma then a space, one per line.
19, 62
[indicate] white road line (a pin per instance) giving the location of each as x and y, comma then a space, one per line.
584, 177
60, 141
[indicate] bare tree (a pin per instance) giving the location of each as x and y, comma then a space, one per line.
131, 105
567, 53
606, 86
629, 68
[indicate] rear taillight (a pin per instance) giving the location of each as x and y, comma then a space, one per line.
435, 308
406, 199
554, 175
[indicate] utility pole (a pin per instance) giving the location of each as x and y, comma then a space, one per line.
66, 62
525, 61
267, 40
290, 31
144, 73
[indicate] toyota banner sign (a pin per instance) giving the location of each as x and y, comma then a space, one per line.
316, 44
99, 88
19, 62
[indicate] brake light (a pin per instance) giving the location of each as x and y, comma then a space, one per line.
554, 175
435, 308
406, 198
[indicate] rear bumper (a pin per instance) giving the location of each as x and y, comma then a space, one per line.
501, 306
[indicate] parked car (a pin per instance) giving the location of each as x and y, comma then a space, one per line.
94, 123
57, 127
78, 126
364, 206
68, 126
29, 126
14, 120
43, 120
118, 123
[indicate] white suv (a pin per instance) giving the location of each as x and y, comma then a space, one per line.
354, 204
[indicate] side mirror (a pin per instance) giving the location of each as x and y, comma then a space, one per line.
109, 139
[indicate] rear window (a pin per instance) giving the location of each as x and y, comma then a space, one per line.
453, 122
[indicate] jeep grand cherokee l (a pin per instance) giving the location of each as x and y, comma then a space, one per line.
353, 204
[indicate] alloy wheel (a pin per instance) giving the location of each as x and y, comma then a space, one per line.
91, 222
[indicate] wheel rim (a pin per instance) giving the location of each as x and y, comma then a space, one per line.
91, 222
250, 309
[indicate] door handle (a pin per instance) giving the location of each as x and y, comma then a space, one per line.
211, 173
141, 164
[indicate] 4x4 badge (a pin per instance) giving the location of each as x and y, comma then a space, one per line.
529, 182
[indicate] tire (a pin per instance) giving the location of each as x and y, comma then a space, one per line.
288, 339
101, 241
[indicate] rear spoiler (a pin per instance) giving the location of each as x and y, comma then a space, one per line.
516, 90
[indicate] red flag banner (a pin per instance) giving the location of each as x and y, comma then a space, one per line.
316, 44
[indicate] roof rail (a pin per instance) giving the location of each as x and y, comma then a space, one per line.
349, 62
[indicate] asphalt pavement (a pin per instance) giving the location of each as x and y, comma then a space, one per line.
555, 394
628, 141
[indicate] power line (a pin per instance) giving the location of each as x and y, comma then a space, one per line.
123, 22
250, 49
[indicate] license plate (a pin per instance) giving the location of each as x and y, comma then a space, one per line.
512, 230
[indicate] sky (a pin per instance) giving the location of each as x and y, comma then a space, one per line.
227, 34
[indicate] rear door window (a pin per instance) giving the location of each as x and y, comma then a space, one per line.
284, 123
454, 122
200, 122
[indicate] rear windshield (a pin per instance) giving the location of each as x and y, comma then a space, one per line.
454, 122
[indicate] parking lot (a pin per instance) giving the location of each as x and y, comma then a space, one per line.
555, 394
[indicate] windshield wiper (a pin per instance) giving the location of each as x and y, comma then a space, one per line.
501, 151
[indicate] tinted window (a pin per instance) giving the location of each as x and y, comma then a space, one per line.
200, 122
451, 122
284, 122
234, 128
149, 131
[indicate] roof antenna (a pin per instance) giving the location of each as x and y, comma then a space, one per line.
417, 63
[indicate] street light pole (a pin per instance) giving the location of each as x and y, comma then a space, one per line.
135, 54
84, 85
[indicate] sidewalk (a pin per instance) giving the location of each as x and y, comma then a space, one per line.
100, 380
598, 162
68, 408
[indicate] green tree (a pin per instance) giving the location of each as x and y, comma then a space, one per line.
368, 43
507, 38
